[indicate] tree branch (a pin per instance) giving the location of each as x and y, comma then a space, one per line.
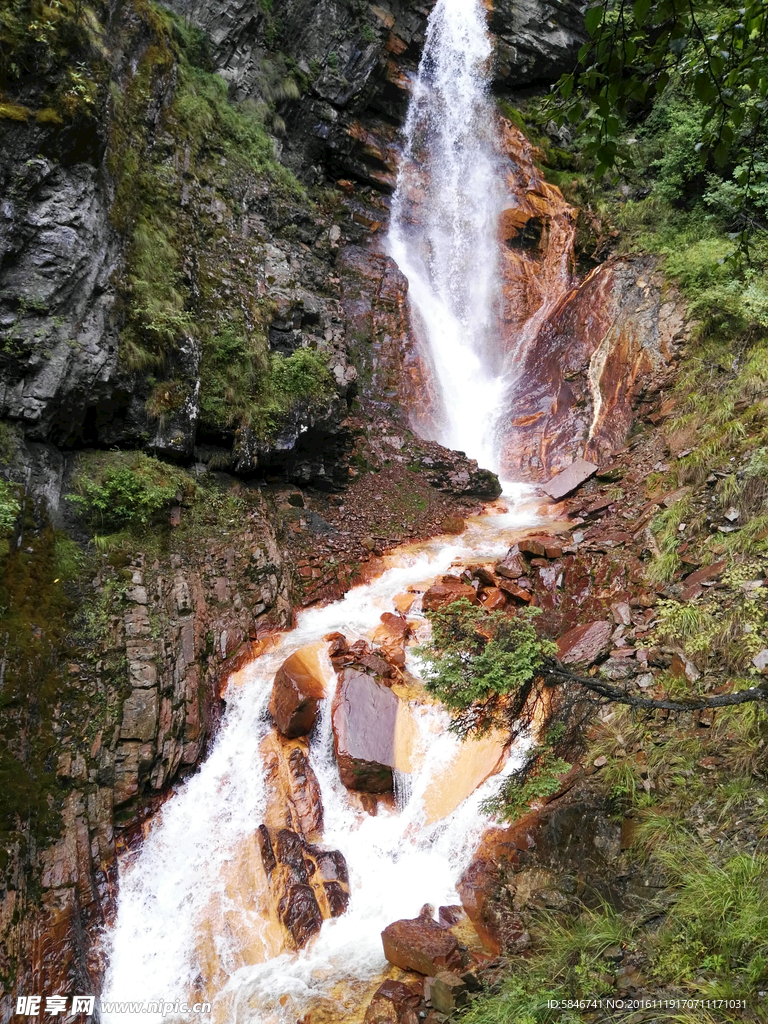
554, 670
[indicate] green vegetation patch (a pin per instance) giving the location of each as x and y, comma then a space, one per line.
481, 665
242, 384
116, 490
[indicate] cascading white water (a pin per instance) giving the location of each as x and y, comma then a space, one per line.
444, 227
397, 860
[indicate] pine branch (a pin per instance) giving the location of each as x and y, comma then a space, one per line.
555, 671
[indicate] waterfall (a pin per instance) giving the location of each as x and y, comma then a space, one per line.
444, 228
188, 922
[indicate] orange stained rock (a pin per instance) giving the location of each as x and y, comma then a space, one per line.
403, 602
238, 927
476, 760
293, 793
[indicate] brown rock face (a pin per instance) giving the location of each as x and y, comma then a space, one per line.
299, 912
420, 945
306, 883
299, 686
492, 598
584, 644
364, 718
294, 798
440, 594
393, 1003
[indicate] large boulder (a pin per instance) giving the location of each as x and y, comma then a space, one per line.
298, 688
364, 720
420, 944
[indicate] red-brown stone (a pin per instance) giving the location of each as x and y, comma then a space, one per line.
421, 945
300, 914
441, 594
706, 573
585, 644
296, 691
397, 625
492, 598
512, 568
518, 593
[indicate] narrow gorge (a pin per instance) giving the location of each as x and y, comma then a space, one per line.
322, 346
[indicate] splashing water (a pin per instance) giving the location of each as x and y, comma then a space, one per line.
444, 227
397, 860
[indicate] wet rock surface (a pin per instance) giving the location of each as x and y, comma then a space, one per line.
364, 718
296, 692
420, 945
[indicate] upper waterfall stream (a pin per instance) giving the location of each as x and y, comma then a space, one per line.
189, 922
444, 231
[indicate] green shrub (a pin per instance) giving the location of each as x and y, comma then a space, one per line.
480, 665
127, 489
10, 506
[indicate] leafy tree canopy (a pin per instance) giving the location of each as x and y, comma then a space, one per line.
715, 54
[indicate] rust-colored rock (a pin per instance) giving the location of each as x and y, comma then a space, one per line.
706, 573
512, 568
396, 625
393, 1003
485, 576
421, 945
493, 598
305, 791
298, 688
584, 644
515, 591
441, 594
364, 718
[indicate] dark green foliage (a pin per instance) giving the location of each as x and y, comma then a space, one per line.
241, 384
480, 665
10, 506
714, 57
127, 489
539, 777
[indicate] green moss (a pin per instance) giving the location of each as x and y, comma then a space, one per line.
10, 506
217, 141
14, 112
118, 490
240, 383
57, 50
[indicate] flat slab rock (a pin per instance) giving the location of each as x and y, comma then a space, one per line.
584, 644
364, 716
565, 483
420, 944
